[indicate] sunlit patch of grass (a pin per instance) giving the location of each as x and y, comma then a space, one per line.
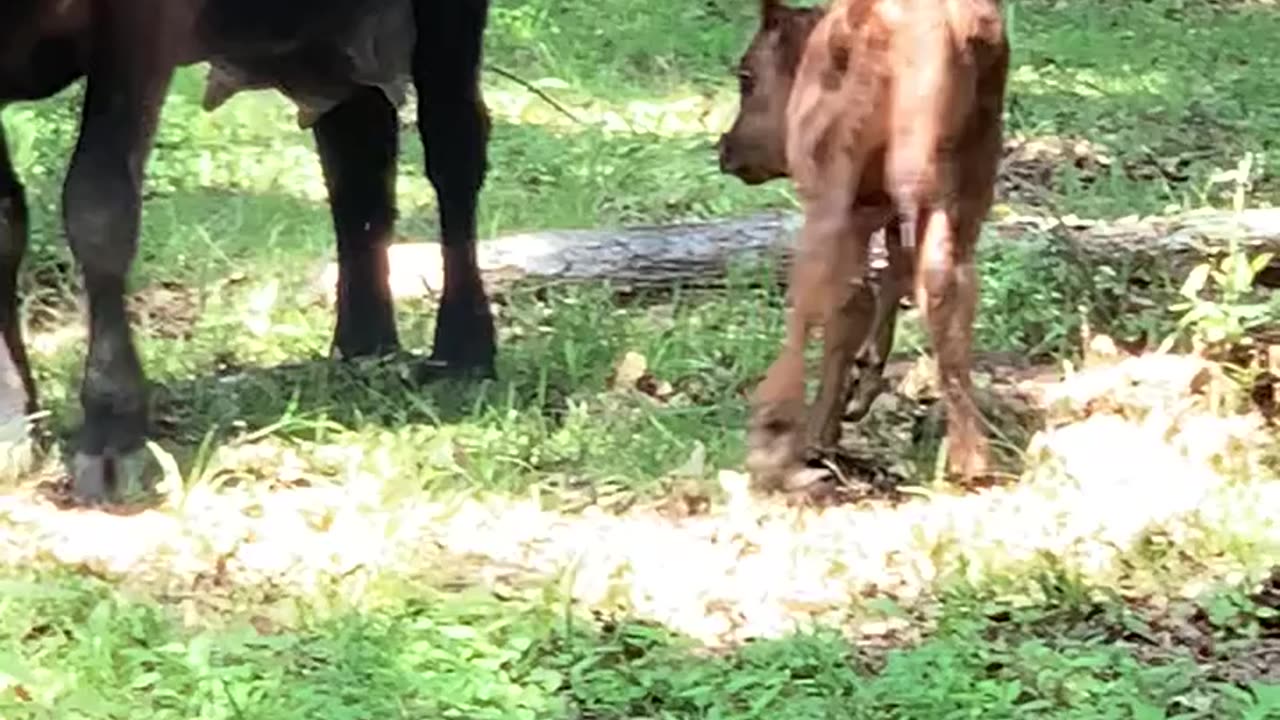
1139, 483
210, 623
1089, 84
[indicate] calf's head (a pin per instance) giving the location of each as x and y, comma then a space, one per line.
755, 148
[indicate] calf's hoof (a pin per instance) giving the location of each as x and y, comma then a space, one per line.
109, 477
775, 446
813, 487
353, 347
969, 458
866, 389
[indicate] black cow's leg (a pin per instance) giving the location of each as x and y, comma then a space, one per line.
357, 142
101, 211
17, 389
455, 130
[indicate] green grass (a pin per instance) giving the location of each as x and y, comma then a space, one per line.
238, 193
80, 649
235, 230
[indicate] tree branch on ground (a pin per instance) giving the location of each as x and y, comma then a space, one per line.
700, 254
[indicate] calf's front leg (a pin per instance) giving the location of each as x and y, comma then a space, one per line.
947, 293
777, 431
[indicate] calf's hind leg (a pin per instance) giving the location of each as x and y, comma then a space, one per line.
357, 143
869, 366
947, 293
454, 125
859, 339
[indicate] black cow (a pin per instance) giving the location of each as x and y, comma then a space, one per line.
319, 52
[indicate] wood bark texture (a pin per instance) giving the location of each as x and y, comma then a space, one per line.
700, 254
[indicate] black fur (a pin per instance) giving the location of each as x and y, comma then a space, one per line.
128, 50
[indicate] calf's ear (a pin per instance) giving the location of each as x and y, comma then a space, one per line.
771, 12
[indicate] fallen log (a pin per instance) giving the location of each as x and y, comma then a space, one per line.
700, 254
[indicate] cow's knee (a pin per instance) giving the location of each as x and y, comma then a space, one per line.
455, 136
100, 204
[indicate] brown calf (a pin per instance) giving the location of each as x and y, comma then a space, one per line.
878, 110
754, 150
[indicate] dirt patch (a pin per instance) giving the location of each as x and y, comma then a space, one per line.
1031, 165
167, 310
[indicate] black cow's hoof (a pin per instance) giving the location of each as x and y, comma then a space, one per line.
362, 348
463, 366
428, 370
442, 367
416, 370
109, 477
465, 341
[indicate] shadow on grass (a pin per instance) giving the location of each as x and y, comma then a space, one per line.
305, 396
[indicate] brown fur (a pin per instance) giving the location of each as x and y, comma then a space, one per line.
893, 111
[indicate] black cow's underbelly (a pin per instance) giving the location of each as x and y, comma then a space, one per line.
48, 67
317, 53
317, 58
249, 24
